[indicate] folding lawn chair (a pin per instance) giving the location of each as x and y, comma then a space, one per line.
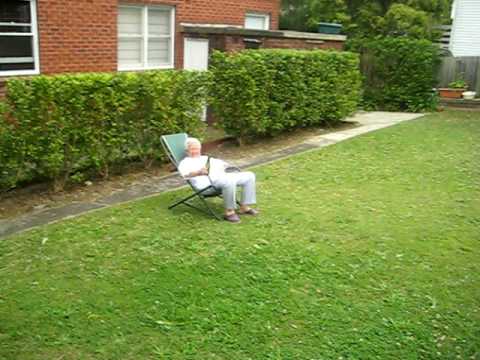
174, 146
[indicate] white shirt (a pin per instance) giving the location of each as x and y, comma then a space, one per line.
191, 164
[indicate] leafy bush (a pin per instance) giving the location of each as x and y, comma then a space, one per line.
63, 126
400, 73
458, 84
264, 92
406, 20
9, 164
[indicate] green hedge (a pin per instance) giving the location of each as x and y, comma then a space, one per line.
264, 92
400, 73
61, 127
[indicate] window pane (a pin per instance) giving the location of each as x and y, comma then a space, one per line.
15, 11
130, 52
158, 22
14, 29
158, 52
255, 22
14, 66
130, 21
16, 46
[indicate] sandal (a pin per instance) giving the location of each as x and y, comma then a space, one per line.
250, 211
233, 218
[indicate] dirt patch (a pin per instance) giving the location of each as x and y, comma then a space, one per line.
38, 197
231, 150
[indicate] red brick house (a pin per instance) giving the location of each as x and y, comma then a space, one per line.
56, 36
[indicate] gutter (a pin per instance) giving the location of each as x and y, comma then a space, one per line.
233, 30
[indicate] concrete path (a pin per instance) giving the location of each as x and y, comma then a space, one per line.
368, 121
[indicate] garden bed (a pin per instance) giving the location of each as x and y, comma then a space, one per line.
38, 197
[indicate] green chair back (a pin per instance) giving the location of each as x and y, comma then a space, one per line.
174, 146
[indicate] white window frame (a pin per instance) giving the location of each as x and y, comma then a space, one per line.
146, 37
34, 34
264, 16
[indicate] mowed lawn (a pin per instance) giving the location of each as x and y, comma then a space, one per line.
369, 249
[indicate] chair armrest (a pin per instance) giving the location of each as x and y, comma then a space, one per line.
231, 168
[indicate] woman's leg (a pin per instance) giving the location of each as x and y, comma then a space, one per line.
249, 195
228, 186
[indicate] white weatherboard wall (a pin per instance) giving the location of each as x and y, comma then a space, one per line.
465, 35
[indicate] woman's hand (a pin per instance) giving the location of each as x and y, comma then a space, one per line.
202, 171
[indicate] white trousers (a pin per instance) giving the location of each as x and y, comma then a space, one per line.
228, 184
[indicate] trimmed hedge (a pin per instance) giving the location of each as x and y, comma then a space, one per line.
61, 127
400, 73
264, 92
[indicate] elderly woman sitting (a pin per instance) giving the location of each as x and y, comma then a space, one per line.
194, 168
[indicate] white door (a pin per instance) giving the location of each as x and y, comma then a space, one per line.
195, 57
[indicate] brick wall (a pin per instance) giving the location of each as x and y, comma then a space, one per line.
81, 35
76, 36
287, 43
237, 42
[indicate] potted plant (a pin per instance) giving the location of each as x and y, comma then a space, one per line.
469, 95
455, 89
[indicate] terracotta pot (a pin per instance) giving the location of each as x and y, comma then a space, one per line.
450, 93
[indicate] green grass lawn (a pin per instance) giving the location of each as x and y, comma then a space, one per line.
368, 249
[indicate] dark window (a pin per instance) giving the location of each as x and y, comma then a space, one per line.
252, 43
16, 36
13, 46
16, 11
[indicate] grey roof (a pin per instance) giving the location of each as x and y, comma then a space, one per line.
233, 30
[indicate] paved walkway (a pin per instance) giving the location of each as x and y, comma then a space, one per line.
368, 121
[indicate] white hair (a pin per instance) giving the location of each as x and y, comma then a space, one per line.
191, 141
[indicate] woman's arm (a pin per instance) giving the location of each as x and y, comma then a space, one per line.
202, 171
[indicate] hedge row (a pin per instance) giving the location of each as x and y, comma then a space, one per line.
68, 127
269, 91
57, 128
400, 73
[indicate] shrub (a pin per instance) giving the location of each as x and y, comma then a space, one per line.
9, 146
404, 19
56, 127
264, 92
400, 73
458, 84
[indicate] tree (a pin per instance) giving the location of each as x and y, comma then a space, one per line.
402, 19
365, 18
294, 15
327, 11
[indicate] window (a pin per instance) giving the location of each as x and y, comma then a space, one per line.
18, 37
145, 37
252, 43
257, 21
